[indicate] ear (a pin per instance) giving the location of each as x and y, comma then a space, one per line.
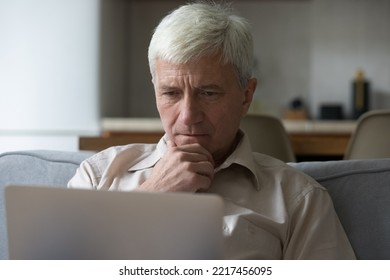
248, 95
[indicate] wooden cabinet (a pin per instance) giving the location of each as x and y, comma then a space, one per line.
319, 139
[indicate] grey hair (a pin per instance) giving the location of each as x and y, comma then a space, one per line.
197, 30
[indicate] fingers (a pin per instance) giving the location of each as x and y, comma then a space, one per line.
170, 144
202, 168
174, 176
192, 152
188, 168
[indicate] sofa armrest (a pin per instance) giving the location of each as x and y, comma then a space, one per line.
38, 167
360, 190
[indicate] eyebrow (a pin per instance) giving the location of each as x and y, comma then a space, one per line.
202, 87
210, 86
167, 88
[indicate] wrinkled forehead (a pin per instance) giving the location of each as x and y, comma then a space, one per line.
211, 66
204, 66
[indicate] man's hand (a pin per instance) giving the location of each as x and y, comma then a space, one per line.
188, 168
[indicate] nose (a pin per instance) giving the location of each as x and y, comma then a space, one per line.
191, 111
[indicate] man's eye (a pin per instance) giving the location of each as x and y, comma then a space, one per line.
170, 93
169, 96
210, 95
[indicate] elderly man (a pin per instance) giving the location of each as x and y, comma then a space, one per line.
200, 59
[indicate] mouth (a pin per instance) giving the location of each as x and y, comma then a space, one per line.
191, 137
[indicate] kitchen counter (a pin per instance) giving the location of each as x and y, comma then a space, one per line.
119, 125
309, 138
319, 126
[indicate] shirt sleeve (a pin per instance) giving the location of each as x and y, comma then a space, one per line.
315, 229
85, 177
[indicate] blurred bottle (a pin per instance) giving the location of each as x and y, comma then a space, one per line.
360, 94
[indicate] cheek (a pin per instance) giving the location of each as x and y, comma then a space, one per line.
164, 108
226, 121
232, 111
167, 117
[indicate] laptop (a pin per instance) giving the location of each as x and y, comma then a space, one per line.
57, 223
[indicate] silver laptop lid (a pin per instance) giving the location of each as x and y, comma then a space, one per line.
53, 223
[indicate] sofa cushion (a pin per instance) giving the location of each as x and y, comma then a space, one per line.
360, 190
51, 168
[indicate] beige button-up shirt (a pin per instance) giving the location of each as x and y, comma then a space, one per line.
272, 211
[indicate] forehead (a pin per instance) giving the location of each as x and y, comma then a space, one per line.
206, 69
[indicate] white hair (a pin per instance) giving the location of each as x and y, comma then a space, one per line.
197, 30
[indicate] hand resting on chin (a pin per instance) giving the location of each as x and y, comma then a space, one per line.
186, 168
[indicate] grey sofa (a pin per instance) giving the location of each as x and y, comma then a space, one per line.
360, 190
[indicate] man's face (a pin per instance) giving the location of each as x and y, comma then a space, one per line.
201, 102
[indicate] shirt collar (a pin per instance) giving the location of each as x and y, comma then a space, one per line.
151, 159
242, 155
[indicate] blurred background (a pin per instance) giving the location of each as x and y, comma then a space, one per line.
65, 65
